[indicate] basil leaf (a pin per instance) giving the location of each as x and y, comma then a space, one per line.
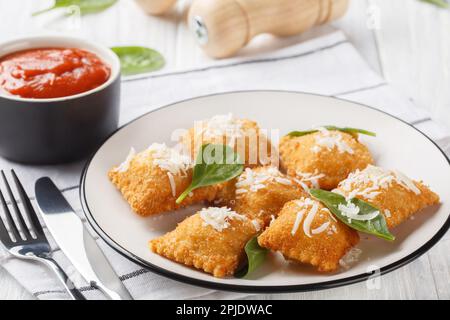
377, 226
137, 60
301, 133
86, 6
440, 3
353, 131
255, 257
216, 163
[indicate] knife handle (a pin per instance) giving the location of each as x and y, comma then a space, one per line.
65, 280
111, 295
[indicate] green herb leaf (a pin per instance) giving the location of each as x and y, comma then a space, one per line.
137, 60
377, 226
86, 6
352, 131
440, 3
216, 163
255, 257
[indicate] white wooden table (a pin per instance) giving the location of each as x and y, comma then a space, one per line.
406, 41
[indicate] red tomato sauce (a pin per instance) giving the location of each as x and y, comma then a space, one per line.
52, 72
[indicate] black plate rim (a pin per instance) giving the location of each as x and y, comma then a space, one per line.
249, 288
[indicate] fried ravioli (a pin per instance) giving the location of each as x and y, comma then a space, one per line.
306, 232
152, 180
212, 240
245, 136
260, 193
397, 196
323, 159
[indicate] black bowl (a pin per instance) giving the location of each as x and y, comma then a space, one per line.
51, 131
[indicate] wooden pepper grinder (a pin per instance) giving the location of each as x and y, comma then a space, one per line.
156, 7
222, 27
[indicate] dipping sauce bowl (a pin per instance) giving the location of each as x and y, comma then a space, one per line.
63, 129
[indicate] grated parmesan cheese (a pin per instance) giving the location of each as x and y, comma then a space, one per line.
309, 219
351, 211
169, 159
256, 224
313, 178
322, 228
272, 219
219, 218
253, 181
311, 211
173, 186
369, 182
330, 140
298, 219
123, 167
223, 125
406, 182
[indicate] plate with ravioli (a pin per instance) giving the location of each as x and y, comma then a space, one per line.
268, 191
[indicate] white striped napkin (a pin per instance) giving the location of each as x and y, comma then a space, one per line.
327, 65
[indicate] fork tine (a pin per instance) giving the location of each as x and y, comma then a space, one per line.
4, 235
20, 220
9, 220
29, 210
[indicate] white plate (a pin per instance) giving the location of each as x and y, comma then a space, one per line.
397, 146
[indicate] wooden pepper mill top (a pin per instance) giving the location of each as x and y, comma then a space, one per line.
156, 7
222, 27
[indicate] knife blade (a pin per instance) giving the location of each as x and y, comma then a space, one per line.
76, 242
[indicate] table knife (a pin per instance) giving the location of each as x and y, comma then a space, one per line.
76, 242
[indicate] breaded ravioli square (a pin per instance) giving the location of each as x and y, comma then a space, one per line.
307, 232
152, 180
323, 159
212, 240
244, 136
397, 196
260, 193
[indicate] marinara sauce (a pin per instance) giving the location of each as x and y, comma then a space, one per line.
52, 72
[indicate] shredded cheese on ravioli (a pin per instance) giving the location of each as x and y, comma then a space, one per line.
309, 219
173, 186
253, 181
169, 159
308, 214
223, 125
369, 183
298, 220
321, 229
219, 218
330, 140
125, 166
351, 211
256, 224
313, 178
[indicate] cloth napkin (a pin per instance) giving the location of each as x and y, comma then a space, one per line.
327, 65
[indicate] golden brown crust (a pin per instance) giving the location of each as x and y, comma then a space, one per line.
323, 250
198, 245
264, 203
253, 147
296, 155
400, 202
148, 190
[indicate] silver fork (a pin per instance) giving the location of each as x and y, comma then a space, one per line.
28, 246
